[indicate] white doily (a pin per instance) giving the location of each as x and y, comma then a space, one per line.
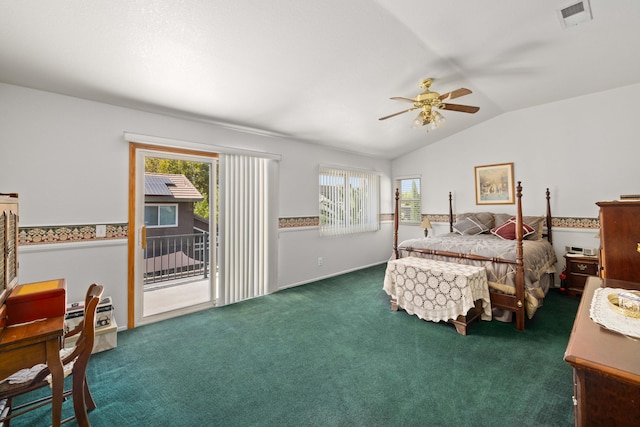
603, 314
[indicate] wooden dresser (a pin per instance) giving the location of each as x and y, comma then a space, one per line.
606, 366
620, 240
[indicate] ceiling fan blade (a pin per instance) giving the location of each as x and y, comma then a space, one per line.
397, 114
455, 94
461, 108
400, 98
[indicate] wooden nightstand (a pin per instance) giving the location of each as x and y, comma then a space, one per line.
579, 268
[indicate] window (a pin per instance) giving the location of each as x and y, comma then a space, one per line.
349, 201
410, 205
161, 215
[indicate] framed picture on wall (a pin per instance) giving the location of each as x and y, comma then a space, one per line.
494, 184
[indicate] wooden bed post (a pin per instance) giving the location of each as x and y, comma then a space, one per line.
450, 214
395, 225
520, 310
549, 238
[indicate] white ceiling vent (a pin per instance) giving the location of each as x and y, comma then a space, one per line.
575, 14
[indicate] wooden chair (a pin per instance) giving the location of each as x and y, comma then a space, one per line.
75, 363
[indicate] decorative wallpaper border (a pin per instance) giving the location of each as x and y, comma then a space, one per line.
82, 233
437, 218
314, 221
68, 234
386, 217
302, 221
565, 222
559, 222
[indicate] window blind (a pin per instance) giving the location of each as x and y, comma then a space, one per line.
349, 201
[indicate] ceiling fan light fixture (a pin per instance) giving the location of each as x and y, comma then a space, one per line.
420, 120
428, 102
431, 121
438, 119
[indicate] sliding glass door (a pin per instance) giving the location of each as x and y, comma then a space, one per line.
175, 224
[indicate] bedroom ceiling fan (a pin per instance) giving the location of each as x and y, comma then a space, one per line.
429, 102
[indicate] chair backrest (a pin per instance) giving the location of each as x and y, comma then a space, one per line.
84, 344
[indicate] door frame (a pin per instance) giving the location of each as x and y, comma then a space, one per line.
134, 235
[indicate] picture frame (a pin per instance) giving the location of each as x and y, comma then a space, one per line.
494, 184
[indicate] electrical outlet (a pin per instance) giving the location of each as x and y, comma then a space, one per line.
101, 231
320, 261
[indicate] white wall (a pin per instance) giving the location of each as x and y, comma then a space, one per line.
583, 149
67, 159
299, 249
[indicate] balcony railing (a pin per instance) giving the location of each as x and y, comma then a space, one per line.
176, 257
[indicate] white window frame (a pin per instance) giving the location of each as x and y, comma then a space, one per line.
337, 182
398, 184
159, 205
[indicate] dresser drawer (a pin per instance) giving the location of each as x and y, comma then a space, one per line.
576, 281
588, 267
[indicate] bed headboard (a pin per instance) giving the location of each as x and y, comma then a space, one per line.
548, 217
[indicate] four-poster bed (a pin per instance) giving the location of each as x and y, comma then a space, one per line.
519, 262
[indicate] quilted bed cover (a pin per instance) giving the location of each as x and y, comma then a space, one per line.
538, 255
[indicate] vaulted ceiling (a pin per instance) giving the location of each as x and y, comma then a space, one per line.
320, 71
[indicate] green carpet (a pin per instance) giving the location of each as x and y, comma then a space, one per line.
332, 353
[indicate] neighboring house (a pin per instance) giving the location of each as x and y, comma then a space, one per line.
175, 235
168, 204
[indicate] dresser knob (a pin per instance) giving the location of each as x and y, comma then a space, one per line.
581, 267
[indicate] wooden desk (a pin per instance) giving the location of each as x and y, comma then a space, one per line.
25, 345
606, 366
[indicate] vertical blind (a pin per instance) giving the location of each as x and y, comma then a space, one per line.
349, 201
248, 226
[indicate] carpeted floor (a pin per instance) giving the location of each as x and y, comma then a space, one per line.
332, 353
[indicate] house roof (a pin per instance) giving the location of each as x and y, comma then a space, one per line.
321, 71
170, 187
